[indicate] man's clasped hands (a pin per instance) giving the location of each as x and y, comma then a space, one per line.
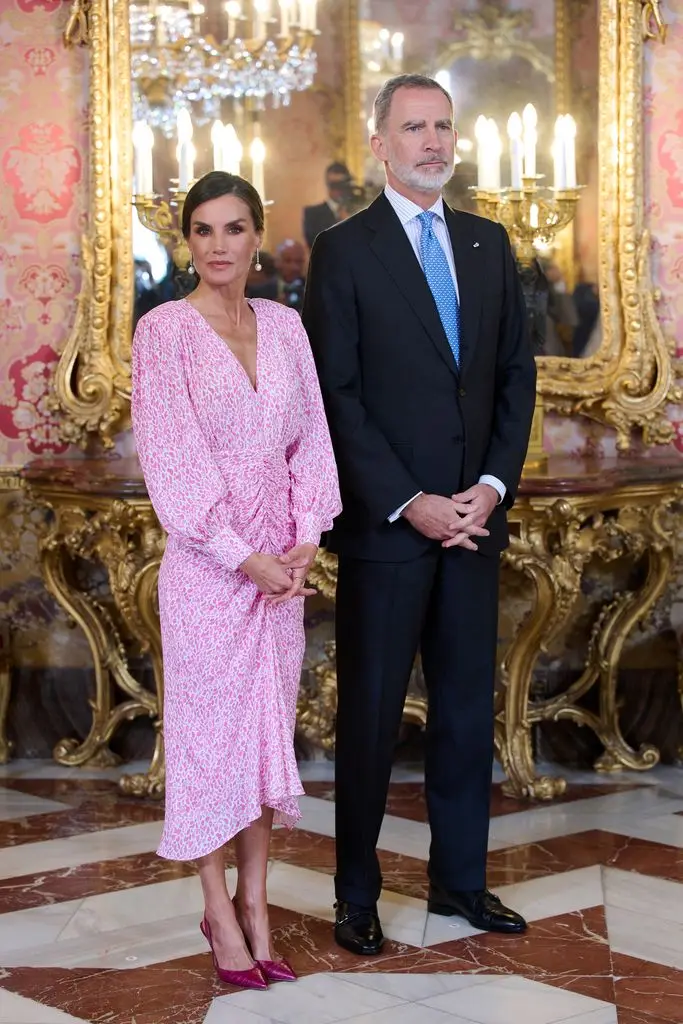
455, 521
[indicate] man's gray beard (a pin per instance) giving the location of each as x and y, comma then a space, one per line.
421, 181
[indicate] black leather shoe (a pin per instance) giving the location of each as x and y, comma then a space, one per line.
482, 909
358, 929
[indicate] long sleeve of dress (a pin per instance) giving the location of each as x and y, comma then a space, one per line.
183, 481
313, 471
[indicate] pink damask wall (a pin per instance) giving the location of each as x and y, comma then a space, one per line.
43, 168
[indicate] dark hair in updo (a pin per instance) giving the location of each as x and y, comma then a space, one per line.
219, 183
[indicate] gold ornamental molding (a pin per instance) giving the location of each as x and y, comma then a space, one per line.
553, 541
125, 539
92, 382
635, 374
626, 385
580, 513
654, 26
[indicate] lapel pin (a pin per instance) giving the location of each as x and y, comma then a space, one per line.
475, 245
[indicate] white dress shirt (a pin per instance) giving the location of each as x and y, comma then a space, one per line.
408, 213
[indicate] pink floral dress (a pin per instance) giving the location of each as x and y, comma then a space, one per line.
230, 470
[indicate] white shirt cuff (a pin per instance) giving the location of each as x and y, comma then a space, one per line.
497, 485
395, 515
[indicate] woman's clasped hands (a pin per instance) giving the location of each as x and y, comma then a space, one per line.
282, 577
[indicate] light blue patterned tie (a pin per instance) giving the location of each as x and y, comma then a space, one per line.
440, 281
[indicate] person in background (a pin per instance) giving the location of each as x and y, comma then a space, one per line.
562, 318
587, 302
339, 183
290, 260
262, 284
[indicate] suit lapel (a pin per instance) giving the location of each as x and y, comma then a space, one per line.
392, 247
469, 269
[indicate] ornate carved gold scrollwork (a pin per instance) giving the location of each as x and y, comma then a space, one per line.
92, 382
654, 26
493, 34
553, 548
126, 539
316, 713
554, 541
77, 31
634, 375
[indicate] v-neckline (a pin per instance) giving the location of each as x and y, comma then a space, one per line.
253, 385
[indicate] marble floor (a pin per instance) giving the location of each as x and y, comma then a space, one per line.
94, 928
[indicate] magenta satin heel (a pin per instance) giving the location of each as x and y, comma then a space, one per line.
254, 978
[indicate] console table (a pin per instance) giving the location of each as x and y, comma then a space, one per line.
565, 515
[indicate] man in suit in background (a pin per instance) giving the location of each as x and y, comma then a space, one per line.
338, 182
418, 327
290, 260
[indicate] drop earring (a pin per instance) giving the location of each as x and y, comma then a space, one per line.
190, 266
257, 264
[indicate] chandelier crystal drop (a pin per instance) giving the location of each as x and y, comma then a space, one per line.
266, 53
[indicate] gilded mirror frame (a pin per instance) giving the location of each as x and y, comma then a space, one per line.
626, 385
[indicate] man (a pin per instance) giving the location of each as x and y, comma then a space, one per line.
417, 324
290, 260
338, 182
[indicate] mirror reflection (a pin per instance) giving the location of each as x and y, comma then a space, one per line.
212, 81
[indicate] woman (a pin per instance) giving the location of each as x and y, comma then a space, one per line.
236, 454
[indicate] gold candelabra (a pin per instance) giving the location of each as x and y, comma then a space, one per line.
532, 220
164, 218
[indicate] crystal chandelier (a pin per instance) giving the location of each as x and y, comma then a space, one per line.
266, 51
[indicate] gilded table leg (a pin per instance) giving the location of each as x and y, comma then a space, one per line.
513, 727
613, 627
97, 628
144, 622
630, 610
641, 531
316, 712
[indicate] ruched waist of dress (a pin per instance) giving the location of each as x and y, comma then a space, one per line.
252, 471
256, 457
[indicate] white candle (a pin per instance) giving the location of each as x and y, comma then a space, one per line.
560, 181
284, 17
570, 150
530, 120
516, 150
496, 151
143, 141
480, 130
443, 77
258, 156
261, 15
233, 9
313, 16
397, 47
384, 37
217, 131
232, 150
185, 150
